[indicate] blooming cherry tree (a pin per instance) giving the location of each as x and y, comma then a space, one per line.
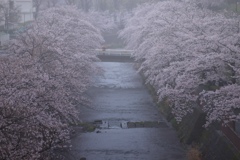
31, 123
102, 20
206, 3
183, 50
43, 80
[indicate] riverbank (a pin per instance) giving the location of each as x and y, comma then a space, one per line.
211, 142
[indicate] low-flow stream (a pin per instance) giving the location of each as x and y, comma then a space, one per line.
129, 124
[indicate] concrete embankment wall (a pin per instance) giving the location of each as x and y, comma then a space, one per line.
213, 144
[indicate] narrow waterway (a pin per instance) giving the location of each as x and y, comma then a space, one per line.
131, 128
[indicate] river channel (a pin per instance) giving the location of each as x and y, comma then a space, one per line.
130, 125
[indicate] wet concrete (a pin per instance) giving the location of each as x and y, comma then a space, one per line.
131, 128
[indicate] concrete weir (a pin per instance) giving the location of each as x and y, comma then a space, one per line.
128, 124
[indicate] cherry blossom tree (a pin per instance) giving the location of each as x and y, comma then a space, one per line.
222, 105
102, 20
43, 80
213, 3
184, 50
31, 123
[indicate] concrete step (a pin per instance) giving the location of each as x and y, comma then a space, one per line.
121, 124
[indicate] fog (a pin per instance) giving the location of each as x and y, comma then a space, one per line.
119, 79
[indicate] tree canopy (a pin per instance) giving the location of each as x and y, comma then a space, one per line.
190, 55
43, 80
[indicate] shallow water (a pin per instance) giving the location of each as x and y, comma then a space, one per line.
119, 97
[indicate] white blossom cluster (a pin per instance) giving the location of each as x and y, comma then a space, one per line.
43, 80
190, 55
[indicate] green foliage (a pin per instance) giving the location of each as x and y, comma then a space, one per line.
87, 127
174, 123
